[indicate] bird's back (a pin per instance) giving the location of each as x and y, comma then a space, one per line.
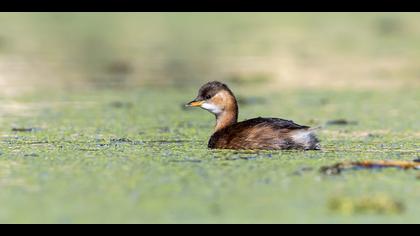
264, 133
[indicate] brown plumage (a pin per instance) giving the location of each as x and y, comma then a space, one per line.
253, 134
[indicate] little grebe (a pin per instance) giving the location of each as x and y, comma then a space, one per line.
258, 133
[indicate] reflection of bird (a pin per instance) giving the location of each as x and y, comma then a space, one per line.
257, 133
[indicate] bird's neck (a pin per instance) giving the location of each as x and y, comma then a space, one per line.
229, 115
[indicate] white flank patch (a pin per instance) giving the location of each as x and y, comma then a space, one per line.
302, 137
211, 108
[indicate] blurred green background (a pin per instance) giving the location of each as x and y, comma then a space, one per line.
280, 50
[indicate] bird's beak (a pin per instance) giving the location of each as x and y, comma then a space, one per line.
195, 104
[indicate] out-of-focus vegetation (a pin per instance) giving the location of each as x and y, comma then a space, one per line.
281, 50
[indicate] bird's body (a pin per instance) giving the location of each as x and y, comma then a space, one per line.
264, 133
254, 134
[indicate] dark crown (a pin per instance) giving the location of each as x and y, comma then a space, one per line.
210, 89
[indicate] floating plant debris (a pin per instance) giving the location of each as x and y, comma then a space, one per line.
341, 122
167, 141
302, 170
186, 160
373, 204
89, 150
119, 104
31, 155
339, 167
25, 129
164, 130
121, 140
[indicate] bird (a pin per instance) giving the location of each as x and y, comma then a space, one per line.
253, 134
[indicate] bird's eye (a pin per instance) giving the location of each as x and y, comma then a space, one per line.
207, 97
